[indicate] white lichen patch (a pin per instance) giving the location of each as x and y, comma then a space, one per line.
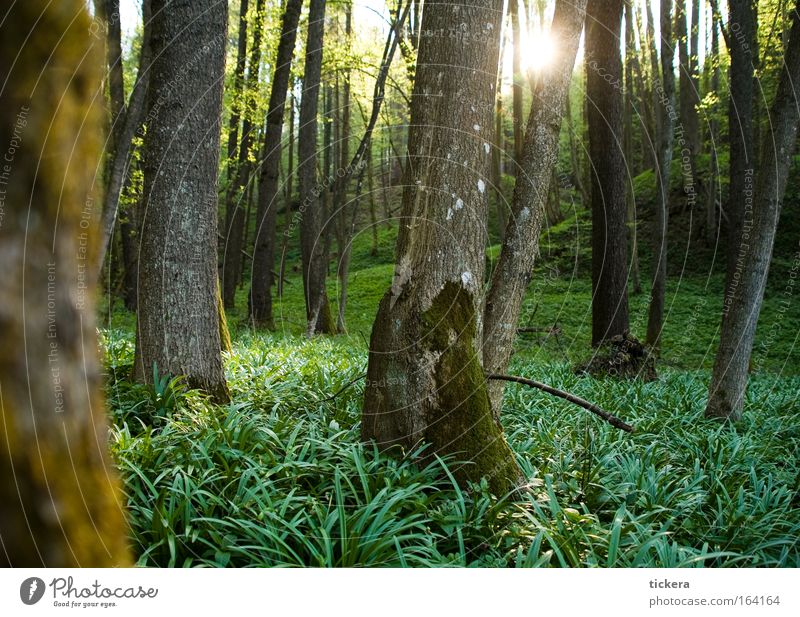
467, 279
459, 203
487, 148
477, 127
449, 213
481, 186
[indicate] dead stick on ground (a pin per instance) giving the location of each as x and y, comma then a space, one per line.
611, 419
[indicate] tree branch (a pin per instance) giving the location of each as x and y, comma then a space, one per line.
610, 418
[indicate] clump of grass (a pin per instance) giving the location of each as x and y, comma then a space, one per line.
279, 477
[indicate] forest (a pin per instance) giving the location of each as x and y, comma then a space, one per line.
400, 283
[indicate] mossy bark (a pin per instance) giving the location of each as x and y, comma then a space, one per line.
425, 381
60, 503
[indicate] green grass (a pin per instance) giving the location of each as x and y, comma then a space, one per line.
279, 477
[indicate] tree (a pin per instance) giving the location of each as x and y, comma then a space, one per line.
126, 120
689, 97
514, 268
264, 249
517, 81
741, 132
313, 244
741, 310
61, 504
235, 219
609, 211
178, 329
425, 380
631, 66
665, 111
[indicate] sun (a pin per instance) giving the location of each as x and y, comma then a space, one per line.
538, 52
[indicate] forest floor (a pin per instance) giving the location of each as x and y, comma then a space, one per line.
278, 476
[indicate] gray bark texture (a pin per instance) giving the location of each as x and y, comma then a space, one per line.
178, 326
521, 239
740, 315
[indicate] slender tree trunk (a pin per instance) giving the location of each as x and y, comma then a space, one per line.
61, 503
264, 246
178, 327
666, 110
630, 55
237, 190
713, 187
741, 131
609, 232
425, 382
342, 211
120, 157
741, 311
313, 244
238, 87
517, 83
520, 244
689, 99
130, 228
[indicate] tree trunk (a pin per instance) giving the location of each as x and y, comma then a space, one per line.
630, 200
713, 185
609, 212
741, 131
517, 82
425, 382
178, 319
740, 314
666, 112
341, 210
61, 503
521, 241
313, 244
264, 248
689, 137
237, 190
120, 156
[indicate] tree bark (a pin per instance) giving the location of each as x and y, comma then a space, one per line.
61, 503
741, 132
630, 198
178, 327
264, 248
713, 125
120, 157
313, 243
609, 212
521, 240
665, 94
236, 220
740, 314
425, 382
517, 81
689, 97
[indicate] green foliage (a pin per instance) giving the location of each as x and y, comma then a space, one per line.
279, 477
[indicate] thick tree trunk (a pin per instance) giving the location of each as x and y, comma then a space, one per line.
264, 248
609, 212
178, 320
313, 243
120, 157
425, 382
236, 220
740, 314
741, 131
665, 92
521, 241
61, 504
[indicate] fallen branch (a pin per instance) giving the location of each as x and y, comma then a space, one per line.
552, 330
610, 418
342, 389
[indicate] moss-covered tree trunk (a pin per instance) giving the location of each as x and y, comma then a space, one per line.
740, 315
425, 381
313, 236
178, 325
540, 153
59, 500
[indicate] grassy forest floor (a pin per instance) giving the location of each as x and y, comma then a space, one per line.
278, 476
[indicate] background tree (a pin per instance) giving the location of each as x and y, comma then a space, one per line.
313, 245
60, 501
425, 380
178, 327
666, 113
264, 245
609, 211
740, 315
